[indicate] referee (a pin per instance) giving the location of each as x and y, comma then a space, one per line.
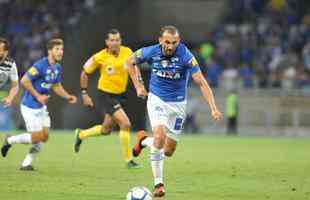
112, 86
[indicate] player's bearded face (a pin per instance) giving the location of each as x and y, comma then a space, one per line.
114, 42
57, 52
3, 51
169, 43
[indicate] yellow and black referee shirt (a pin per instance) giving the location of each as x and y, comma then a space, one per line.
113, 73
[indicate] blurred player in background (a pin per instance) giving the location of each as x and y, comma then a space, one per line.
112, 86
43, 76
8, 73
172, 65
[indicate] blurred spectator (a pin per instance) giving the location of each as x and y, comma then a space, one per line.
271, 36
306, 55
303, 77
213, 73
28, 24
246, 74
278, 5
206, 51
289, 77
231, 113
229, 78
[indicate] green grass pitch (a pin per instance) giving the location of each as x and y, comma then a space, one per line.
203, 168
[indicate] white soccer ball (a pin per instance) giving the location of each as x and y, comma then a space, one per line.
139, 193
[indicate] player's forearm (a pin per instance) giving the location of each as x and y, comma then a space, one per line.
134, 73
60, 91
208, 94
14, 90
26, 83
83, 80
139, 76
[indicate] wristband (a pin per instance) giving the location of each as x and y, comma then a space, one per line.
83, 91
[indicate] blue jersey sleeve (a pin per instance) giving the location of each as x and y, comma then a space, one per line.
191, 62
143, 55
34, 72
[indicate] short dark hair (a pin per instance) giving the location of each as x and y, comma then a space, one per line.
170, 29
5, 42
113, 32
54, 42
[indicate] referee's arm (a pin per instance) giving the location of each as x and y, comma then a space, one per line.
89, 67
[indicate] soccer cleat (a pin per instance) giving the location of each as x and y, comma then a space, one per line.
27, 168
78, 141
136, 150
6, 146
133, 165
159, 190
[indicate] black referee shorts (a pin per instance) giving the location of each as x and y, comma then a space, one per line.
110, 103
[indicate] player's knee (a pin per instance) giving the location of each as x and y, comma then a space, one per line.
169, 152
44, 137
159, 140
39, 136
106, 130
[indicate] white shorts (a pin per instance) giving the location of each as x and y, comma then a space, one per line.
35, 118
170, 114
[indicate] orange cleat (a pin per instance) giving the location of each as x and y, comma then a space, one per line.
136, 150
159, 190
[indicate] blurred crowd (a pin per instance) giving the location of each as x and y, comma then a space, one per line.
28, 24
259, 44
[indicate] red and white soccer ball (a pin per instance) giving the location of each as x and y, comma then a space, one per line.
139, 193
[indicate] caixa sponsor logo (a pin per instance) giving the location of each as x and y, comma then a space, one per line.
46, 85
167, 74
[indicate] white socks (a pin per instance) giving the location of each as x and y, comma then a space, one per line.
157, 163
148, 142
24, 138
157, 160
34, 150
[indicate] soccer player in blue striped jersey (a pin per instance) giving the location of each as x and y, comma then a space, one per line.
172, 65
40, 79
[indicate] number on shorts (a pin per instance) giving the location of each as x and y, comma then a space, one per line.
178, 124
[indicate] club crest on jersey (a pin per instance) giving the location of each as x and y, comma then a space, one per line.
164, 63
50, 75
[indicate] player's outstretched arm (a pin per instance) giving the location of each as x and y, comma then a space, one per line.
135, 75
26, 83
207, 94
60, 91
